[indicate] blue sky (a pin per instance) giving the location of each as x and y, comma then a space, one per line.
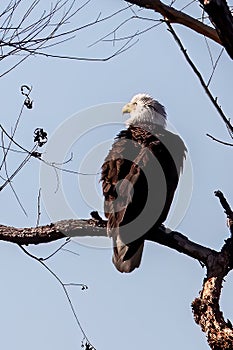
117, 311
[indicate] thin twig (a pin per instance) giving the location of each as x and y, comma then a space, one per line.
57, 250
127, 37
209, 51
198, 74
230, 133
7, 176
38, 208
219, 141
22, 164
35, 37
70, 251
63, 285
84, 286
34, 154
215, 66
12, 136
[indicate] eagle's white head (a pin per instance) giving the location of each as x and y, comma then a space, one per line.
144, 109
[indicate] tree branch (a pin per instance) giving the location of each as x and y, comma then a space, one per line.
222, 19
219, 141
51, 232
203, 84
181, 243
175, 16
205, 308
225, 204
96, 227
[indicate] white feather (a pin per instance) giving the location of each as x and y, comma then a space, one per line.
146, 110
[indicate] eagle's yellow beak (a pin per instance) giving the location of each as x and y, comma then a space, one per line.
127, 108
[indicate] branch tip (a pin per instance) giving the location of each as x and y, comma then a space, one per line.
227, 209
224, 203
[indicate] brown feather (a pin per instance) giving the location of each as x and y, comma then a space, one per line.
125, 186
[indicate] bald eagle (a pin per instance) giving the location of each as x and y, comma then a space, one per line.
139, 177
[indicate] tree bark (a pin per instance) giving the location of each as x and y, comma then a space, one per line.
206, 308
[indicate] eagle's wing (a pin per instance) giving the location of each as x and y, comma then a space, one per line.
121, 175
125, 187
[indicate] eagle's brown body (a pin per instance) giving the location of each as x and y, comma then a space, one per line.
139, 179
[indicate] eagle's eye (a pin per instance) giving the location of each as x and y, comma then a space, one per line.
151, 106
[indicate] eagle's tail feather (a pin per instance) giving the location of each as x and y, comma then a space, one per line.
127, 257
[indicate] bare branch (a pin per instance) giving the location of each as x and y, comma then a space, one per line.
214, 64
22, 164
7, 176
219, 141
96, 228
224, 204
53, 27
206, 307
219, 14
51, 232
38, 208
64, 287
198, 74
222, 19
175, 16
67, 241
